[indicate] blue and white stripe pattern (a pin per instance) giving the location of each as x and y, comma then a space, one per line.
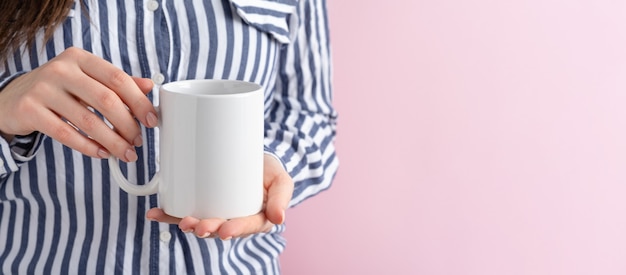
60, 213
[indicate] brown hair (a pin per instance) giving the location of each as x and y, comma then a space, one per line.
20, 20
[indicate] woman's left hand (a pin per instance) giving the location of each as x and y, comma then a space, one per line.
277, 194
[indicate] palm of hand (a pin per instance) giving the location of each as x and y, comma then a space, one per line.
277, 194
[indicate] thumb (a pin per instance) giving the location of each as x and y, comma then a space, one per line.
279, 193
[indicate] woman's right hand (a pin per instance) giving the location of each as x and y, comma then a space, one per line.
60, 91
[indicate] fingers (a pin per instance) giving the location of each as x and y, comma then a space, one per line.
202, 228
215, 227
123, 85
97, 83
92, 125
66, 134
109, 105
225, 229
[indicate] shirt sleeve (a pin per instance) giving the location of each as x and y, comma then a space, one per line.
21, 148
301, 130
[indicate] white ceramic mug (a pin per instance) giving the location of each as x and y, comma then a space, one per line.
211, 150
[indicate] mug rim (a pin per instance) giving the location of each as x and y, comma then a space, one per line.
246, 87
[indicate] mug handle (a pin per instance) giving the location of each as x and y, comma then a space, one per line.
138, 190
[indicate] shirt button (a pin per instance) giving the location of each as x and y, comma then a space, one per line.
153, 5
165, 236
158, 78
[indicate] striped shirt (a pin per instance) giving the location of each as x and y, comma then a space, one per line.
60, 211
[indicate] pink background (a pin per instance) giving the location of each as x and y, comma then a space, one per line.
476, 137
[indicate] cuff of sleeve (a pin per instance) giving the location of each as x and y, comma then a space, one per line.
6, 80
269, 152
24, 148
7, 163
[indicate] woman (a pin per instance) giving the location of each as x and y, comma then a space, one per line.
68, 67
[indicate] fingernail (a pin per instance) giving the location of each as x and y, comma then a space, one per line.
187, 231
130, 155
227, 238
282, 217
103, 154
152, 120
205, 235
138, 141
